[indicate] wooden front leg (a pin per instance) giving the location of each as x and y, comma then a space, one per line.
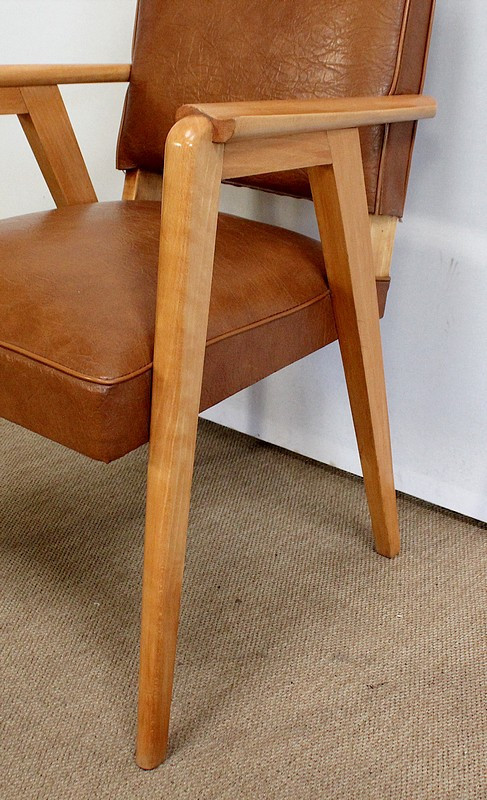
341, 209
192, 176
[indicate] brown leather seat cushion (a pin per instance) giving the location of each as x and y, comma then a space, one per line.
77, 304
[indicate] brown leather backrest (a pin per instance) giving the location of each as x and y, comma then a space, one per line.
188, 51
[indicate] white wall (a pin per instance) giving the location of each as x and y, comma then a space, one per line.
435, 329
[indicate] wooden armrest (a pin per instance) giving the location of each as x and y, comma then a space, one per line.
266, 118
51, 74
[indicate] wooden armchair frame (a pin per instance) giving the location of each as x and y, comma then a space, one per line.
209, 143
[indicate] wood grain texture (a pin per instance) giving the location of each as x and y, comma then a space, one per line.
142, 185
274, 154
279, 117
341, 209
12, 102
192, 177
53, 142
51, 74
383, 233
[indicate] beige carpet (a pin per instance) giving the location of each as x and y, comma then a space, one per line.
308, 666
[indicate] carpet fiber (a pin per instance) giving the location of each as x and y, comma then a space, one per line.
308, 666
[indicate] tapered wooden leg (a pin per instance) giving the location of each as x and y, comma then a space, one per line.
341, 209
192, 176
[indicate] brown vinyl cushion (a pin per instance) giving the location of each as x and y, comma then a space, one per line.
77, 304
187, 51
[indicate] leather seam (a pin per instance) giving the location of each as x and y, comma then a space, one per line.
421, 85
392, 88
400, 49
428, 44
72, 372
272, 318
136, 373
124, 110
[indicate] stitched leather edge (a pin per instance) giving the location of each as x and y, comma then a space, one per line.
392, 89
396, 78
125, 100
421, 85
135, 373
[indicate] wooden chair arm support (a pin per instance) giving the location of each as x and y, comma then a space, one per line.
273, 136
277, 135
264, 118
46, 124
12, 75
31, 91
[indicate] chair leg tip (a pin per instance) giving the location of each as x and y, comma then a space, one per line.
389, 549
147, 763
149, 759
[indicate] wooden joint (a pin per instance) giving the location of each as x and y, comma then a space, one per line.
12, 102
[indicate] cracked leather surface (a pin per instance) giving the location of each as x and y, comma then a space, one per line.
220, 50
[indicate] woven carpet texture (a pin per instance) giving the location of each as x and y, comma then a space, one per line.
308, 666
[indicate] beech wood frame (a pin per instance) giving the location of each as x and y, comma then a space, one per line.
207, 144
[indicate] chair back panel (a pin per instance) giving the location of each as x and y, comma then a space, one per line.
188, 51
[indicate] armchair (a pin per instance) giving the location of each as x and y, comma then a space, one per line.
112, 319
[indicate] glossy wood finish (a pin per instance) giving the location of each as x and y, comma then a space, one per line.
11, 102
51, 137
51, 74
192, 176
280, 117
142, 185
341, 210
383, 232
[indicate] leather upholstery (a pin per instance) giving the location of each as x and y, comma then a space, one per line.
77, 303
220, 50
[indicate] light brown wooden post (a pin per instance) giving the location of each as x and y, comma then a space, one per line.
142, 185
192, 176
51, 137
341, 209
383, 232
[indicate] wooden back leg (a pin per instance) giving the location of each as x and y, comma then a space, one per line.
341, 208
